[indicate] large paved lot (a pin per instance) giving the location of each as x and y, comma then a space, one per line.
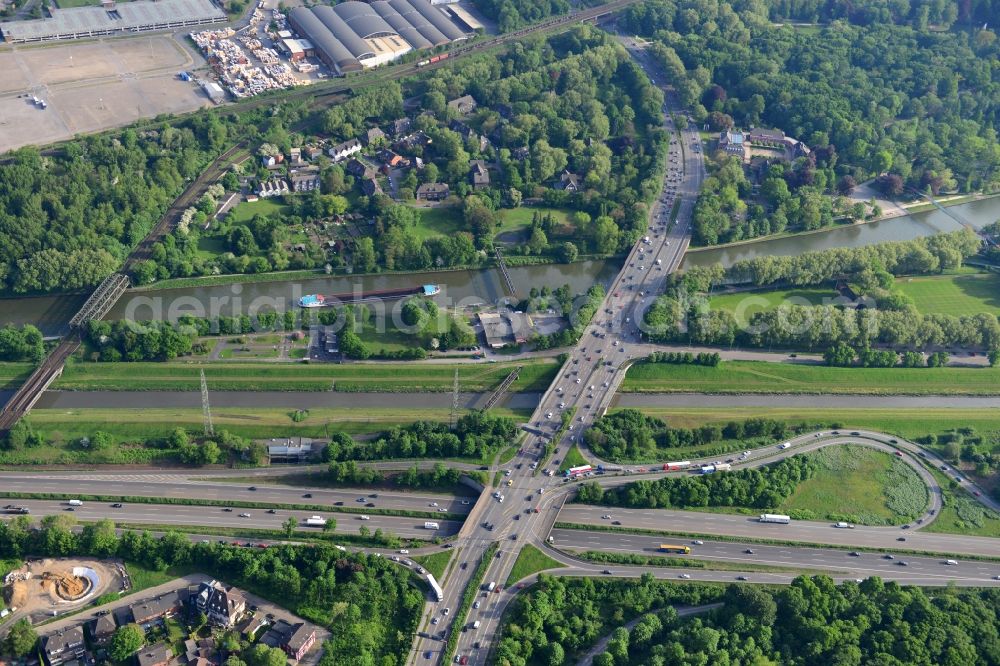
91, 86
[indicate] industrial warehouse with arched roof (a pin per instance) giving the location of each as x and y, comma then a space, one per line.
353, 35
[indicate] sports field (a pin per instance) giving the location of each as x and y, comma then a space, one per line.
745, 304
954, 294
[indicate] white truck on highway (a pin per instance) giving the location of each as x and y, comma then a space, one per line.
431, 526
774, 518
315, 521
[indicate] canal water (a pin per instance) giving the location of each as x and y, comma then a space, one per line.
976, 213
442, 400
50, 313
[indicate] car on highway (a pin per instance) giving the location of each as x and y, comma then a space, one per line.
748, 551
116, 505
252, 488
888, 557
403, 551
476, 604
742, 578
606, 517
360, 499
244, 515
228, 510
684, 575
855, 553
900, 538
435, 620
271, 511
902, 563
698, 542
606, 572
428, 654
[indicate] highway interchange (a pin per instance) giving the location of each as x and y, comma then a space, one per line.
584, 387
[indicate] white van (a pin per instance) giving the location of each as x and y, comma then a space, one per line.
476, 624
493, 584
952, 562
75, 503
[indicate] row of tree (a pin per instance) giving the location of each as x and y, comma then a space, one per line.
440, 476
843, 356
812, 327
763, 488
628, 434
710, 359
475, 435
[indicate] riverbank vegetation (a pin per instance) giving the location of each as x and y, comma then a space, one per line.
872, 312
813, 620
370, 606
763, 488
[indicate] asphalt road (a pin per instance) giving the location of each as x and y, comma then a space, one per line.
202, 516
840, 561
181, 485
722, 524
584, 386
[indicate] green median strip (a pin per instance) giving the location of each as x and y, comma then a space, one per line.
183, 501
769, 542
467, 598
530, 560
633, 559
298, 536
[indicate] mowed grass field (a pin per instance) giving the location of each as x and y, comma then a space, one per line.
352, 377
747, 303
908, 423
853, 483
439, 221
530, 560
954, 294
764, 377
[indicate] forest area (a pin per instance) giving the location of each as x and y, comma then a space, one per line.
811, 621
874, 92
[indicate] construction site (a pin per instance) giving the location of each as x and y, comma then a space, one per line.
51, 587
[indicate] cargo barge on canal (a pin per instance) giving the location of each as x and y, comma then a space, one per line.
321, 301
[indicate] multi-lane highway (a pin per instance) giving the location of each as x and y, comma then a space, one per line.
583, 387
181, 486
167, 515
858, 563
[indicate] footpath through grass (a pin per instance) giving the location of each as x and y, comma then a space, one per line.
535, 375
530, 560
764, 377
859, 485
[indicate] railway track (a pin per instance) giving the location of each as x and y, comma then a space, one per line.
32, 389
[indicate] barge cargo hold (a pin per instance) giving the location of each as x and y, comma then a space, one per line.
320, 301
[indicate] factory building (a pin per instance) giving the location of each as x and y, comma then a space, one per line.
111, 19
353, 35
